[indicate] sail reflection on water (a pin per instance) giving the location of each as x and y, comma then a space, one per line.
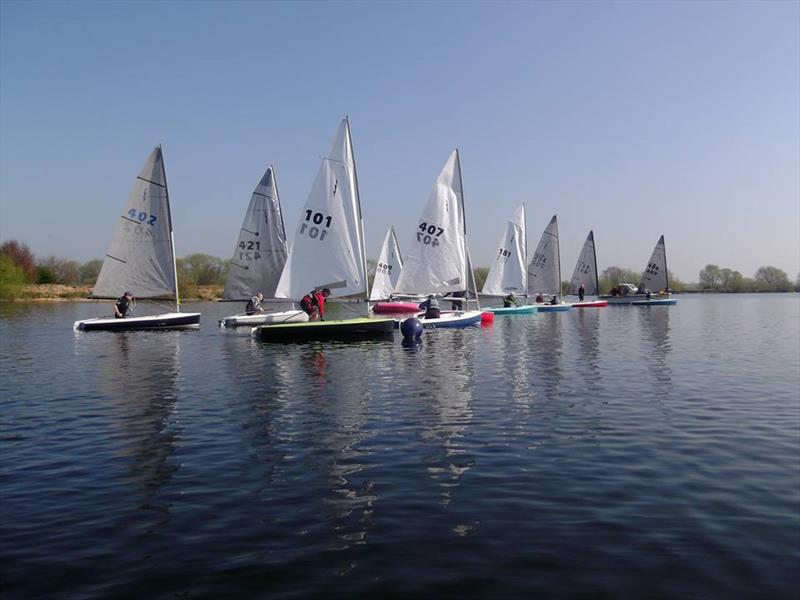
545, 346
141, 381
656, 345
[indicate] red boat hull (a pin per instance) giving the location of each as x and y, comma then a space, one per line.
592, 304
395, 308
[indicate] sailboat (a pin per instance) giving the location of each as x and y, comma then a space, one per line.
259, 256
585, 274
655, 282
142, 256
507, 274
438, 262
328, 250
544, 269
387, 271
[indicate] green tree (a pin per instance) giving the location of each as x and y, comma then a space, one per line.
63, 271
202, 269
772, 279
480, 274
797, 283
21, 255
12, 278
711, 278
613, 276
89, 271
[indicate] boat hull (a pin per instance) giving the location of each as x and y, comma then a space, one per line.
655, 302
163, 321
273, 318
590, 304
453, 320
553, 307
639, 300
528, 309
395, 308
348, 329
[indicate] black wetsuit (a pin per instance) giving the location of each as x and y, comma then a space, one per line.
123, 306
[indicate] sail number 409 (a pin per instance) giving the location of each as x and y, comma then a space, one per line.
429, 233
316, 225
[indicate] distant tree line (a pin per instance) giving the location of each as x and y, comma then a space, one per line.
19, 266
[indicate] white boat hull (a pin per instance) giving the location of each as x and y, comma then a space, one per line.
271, 318
453, 319
175, 320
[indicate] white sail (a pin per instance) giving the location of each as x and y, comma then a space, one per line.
585, 272
655, 276
544, 269
141, 257
387, 271
436, 261
261, 250
328, 249
507, 273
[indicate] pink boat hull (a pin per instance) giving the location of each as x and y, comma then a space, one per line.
592, 304
395, 308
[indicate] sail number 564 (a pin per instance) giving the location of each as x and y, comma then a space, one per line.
429, 233
316, 225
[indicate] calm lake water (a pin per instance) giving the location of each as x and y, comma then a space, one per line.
617, 452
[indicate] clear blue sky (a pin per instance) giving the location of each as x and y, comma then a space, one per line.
633, 118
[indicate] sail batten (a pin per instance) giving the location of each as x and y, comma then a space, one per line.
142, 252
585, 271
507, 273
328, 242
261, 258
544, 267
436, 260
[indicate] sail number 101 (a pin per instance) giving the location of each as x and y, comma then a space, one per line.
316, 225
429, 233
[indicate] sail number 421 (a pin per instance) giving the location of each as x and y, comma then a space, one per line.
428, 234
316, 225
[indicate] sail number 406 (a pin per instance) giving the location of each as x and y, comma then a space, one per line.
429, 234
316, 225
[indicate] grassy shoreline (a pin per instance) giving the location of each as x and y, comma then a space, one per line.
53, 292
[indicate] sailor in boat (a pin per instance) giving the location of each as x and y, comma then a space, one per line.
510, 300
554, 299
457, 304
313, 304
123, 306
254, 305
431, 307
540, 298
581, 292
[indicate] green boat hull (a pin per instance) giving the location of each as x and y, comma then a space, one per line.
346, 329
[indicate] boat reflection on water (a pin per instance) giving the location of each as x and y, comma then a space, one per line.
327, 385
515, 367
656, 345
140, 381
440, 378
587, 352
545, 346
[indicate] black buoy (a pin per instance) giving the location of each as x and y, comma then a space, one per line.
411, 329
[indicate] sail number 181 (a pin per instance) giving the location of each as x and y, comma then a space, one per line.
316, 225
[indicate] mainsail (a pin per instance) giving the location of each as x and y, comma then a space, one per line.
585, 272
436, 261
655, 276
260, 252
544, 269
507, 273
141, 258
387, 271
328, 248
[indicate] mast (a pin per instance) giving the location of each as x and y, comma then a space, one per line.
171, 232
396, 244
558, 259
525, 246
360, 215
278, 198
666, 270
471, 273
596, 277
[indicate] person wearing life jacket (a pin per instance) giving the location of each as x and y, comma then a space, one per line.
539, 298
123, 306
581, 293
254, 304
510, 300
431, 307
313, 304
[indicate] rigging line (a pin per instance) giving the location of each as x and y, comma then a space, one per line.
153, 182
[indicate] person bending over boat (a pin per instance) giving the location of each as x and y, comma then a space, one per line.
313, 304
510, 300
123, 306
254, 305
431, 307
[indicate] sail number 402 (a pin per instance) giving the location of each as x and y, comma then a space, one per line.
316, 225
142, 216
429, 233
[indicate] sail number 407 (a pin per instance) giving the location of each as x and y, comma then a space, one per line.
429, 233
316, 225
